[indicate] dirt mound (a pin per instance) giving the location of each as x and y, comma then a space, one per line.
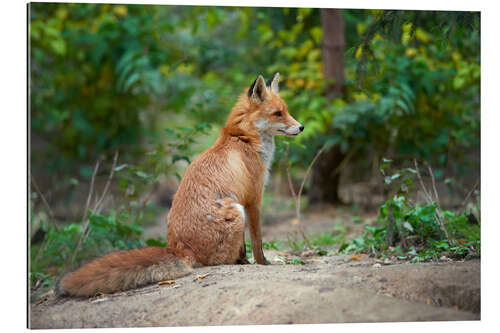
324, 290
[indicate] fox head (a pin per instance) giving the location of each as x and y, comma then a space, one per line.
263, 112
272, 115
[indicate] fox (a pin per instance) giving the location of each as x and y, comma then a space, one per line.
220, 192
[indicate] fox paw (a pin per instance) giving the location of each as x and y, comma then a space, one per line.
242, 261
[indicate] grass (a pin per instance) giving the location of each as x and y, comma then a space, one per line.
321, 243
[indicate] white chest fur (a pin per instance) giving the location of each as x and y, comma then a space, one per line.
266, 152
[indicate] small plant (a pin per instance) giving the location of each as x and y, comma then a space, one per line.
372, 240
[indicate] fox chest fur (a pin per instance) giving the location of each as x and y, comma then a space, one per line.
266, 153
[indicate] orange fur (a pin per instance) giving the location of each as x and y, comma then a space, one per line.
219, 190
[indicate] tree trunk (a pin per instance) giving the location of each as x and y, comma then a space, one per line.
325, 177
333, 48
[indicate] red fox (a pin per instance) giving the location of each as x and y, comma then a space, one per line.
220, 191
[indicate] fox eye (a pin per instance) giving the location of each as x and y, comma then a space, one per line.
277, 114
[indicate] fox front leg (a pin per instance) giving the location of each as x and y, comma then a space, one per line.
256, 234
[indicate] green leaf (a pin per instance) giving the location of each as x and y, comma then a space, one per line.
297, 260
408, 226
156, 242
316, 34
133, 78
395, 176
59, 46
142, 174
343, 247
120, 167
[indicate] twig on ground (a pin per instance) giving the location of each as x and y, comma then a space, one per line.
426, 194
434, 185
100, 202
91, 189
305, 177
297, 196
439, 213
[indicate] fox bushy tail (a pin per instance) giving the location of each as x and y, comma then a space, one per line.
127, 269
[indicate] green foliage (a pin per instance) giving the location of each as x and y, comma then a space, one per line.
103, 76
42, 279
105, 233
372, 240
328, 239
416, 221
460, 226
110, 232
274, 245
410, 88
92, 69
418, 233
415, 228
418, 226
159, 241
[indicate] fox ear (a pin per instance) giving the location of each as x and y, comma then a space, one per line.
273, 83
258, 91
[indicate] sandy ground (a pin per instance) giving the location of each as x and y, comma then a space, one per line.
326, 289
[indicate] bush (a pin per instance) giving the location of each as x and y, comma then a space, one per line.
413, 230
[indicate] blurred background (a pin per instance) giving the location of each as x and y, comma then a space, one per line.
123, 97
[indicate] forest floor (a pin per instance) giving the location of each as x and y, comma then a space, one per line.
321, 289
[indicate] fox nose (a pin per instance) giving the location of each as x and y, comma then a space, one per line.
301, 128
